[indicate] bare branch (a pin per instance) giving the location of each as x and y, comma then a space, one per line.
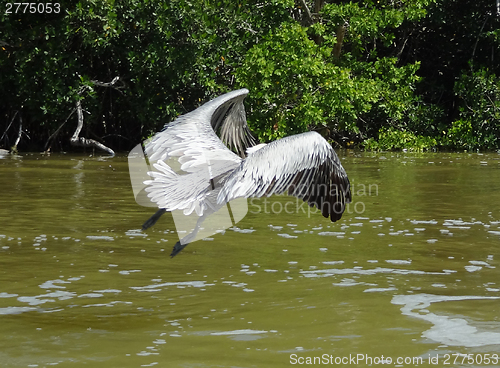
84, 142
403, 44
76, 140
308, 12
492, 103
112, 84
11, 121
18, 139
20, 131
248, 28
479, 34
79, 126
53, 135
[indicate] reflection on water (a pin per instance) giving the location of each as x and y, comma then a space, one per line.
411, 270
451, 331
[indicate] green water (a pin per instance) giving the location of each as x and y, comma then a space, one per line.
411, 271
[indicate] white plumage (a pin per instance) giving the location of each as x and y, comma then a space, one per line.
210, 174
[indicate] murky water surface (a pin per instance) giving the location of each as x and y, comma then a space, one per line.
412, 271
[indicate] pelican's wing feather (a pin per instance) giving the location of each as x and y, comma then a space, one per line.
197, 129
189, 192
304, 165
191, 146
230, 122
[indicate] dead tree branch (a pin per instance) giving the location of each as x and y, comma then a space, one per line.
310, 19
76, 140
18, 139
53, 135
113, 84
400, 48
11, 121
117, 84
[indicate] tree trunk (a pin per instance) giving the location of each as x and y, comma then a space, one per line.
341, 30
318, 5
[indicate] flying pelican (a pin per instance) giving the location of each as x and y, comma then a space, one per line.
304, 165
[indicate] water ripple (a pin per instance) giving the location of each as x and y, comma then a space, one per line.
358, 270
452, 331
158, 287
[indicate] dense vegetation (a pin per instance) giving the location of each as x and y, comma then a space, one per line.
386, 74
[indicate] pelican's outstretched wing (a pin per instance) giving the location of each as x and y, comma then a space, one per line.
190, 142
230, 122
305, 165
224, 115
